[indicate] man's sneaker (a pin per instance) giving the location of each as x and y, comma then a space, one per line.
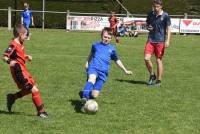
83, 101
158, 83
151, 79
10, 101
42, 114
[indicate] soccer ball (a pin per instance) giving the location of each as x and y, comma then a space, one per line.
91, 107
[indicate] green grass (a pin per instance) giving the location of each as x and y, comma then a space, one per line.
126, 104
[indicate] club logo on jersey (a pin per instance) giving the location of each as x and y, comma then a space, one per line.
161, 18
9, 49
110, 50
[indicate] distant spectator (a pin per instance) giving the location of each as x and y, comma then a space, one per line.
134, 29
113, 25
123, 30
27, 18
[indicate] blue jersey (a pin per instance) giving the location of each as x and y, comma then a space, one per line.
122, 30
102, 54
159, 24
26, 14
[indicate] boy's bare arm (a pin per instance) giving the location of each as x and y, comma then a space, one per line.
88, 60
120, 65
22, 20
5, 59
9, 61
167, 42
32, 20
29, 57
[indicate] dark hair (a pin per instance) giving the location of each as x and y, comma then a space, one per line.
106, 29
159, 2
19, 28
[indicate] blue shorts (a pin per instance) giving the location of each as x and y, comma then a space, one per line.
100, 78
27, 24
27, 28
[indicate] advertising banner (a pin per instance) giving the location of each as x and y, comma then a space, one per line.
190, 26
175, 25
97, 23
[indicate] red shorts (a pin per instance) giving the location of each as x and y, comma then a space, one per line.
22, 77
157, 48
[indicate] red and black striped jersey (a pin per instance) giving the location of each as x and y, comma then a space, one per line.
113, 21
15, 51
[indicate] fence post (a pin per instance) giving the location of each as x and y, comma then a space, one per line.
185, 15
43, 14
9, 18
67, 15
127, 14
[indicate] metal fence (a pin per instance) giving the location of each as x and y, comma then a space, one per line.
55, 19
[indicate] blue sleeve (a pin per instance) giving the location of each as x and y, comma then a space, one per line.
168, 21
148, 19
31, 13
93, 48
114, 55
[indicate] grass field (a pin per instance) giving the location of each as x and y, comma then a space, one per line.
126, 105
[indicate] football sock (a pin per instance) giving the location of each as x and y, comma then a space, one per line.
37, 101
158, 81
117, 40
153, 76
90, 95
21, 93
87, 89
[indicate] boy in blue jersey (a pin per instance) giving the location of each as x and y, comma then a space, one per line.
98, 64
27, 18
158, 24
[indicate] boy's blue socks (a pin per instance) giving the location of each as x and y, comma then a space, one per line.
87, 89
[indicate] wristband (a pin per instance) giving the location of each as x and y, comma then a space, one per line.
8, 61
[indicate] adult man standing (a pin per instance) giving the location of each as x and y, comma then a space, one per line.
158, 24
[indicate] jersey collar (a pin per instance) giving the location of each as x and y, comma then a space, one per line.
160, 14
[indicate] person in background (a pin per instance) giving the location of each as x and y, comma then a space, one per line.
27, 18
122, 30
113, 25
158, 23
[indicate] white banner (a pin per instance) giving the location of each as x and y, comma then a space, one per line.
140, 23
190, 26
175, 25
97, 23
87, 23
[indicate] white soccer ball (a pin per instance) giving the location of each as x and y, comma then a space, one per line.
91, 107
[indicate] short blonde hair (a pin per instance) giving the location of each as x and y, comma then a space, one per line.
26, 4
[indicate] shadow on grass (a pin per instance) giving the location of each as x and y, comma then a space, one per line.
132, 81
14, 113
77, 106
